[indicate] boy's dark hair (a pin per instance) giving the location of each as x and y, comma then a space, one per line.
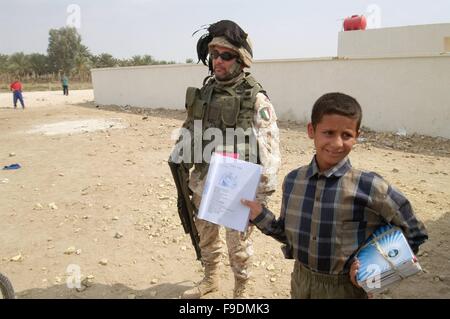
336, 103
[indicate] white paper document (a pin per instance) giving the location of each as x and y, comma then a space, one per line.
228, 181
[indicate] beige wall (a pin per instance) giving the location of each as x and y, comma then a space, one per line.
146, 86
399, 41
411, 94
447, 44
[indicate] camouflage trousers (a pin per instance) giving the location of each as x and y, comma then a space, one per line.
240, 247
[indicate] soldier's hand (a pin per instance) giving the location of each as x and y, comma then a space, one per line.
255, 208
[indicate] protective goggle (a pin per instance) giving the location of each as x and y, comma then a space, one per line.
225, 56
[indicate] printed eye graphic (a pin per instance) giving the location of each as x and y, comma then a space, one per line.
392, 253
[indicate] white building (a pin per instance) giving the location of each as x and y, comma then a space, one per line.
400, 76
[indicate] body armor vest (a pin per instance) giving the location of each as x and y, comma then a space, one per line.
226, 108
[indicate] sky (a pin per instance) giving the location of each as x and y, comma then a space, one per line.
163, 29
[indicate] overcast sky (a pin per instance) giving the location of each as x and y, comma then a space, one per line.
163, 29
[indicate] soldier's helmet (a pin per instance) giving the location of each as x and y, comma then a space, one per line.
227, 34
244, 54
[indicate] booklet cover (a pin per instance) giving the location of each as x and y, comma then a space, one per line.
385, 259
228, 181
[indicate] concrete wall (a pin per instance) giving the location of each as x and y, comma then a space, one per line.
447, 44
146, 86
400, 41
411, 94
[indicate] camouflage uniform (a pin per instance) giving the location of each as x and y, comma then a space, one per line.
236, 101
239, 245
267, 135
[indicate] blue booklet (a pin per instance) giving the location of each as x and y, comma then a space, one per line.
386, 258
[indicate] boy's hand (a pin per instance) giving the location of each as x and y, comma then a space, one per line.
255, 208
353, 271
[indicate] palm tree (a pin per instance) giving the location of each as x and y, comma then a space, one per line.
19, 64
142, 60
38, 64
104, 60
83, 63
82, 66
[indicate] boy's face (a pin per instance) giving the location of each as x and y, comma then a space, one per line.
334, 137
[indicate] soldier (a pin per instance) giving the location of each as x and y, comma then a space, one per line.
230, 98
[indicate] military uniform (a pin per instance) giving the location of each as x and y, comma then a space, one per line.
261, 118
236, 102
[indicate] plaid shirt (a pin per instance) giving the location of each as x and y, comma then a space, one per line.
326, 216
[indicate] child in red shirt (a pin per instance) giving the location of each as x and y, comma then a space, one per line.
16, 88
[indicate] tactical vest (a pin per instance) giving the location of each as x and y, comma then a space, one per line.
225, 107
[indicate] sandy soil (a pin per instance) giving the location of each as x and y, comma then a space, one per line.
97, 196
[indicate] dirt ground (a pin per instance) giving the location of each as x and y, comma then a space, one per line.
94, 193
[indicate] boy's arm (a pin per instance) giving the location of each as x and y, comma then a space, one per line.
397, 210
271, 226
266, 221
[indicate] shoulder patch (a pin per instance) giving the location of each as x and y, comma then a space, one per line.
265, 113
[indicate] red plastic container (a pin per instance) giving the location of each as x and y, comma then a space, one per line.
355, 22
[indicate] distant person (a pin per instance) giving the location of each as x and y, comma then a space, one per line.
65, 84
329, 208
16, 88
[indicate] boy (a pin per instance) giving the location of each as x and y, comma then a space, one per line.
16, 88
65, 84
329, 208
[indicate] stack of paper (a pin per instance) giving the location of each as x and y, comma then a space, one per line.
228, 181
385, 259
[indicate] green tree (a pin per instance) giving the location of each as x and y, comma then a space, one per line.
64, 45
82, 66
4, 76
3, 63
83, 63
124, 62
39, 64
104, 60
19, 64
142, 60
